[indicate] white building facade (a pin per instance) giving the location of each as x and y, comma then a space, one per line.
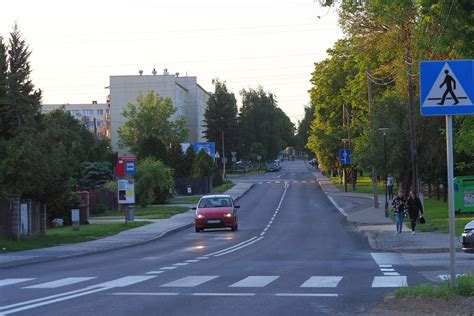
95, 116
188, 97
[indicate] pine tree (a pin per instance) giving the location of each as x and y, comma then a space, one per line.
24, 102
3, 90
176, 160
189, 158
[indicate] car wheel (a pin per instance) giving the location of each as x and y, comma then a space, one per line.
197, 230
234, 228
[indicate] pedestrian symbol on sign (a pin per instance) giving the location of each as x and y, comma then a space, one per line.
446, 90
450, 85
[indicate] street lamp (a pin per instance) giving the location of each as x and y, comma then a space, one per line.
384, 130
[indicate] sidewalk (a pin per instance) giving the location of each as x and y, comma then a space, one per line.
359, 209
131, 237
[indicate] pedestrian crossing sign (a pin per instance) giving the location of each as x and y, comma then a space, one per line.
447, 87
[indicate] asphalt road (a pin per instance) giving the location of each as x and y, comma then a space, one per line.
294, 253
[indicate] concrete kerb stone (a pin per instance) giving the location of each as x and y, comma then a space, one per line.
373, 230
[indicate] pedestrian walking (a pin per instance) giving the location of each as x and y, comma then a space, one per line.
390, 182
399, 206
415, 210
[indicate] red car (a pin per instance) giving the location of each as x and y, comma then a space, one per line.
216, 211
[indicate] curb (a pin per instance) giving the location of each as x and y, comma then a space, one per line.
369, 235
22, 262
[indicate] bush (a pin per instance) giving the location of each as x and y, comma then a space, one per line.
153, 180
100, 208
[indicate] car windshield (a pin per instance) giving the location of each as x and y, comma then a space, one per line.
215, 202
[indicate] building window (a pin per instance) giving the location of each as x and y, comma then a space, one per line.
107, 111
100, 111
75, 112
88, 112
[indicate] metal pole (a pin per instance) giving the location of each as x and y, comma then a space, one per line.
452, 226
223, 157
414, 164
385, 164
374, 172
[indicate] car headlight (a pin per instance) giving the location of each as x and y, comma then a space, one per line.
228, 215
199, 216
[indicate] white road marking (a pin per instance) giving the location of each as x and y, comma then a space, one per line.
58, 283
235, 246
387, 258
223, 294
168, 268
243, 246
306, 294
340, 209
151, 258
385, 265
391, 273
14, 281
390, 281
72, 294
154, 272
146, 293
387, 269
322, 281
181, 264
191, 281
202, 258
192, 261
125, 281
255, 281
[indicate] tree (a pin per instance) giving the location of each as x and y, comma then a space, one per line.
177, 160
189, 160
149, 128
22, 105
96, 174
260, 120
203, 165
221, 117
153, 180
303, 131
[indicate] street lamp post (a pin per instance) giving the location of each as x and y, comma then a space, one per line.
384, 130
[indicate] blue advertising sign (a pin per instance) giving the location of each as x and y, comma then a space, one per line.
447, 87
130, 167
345, 156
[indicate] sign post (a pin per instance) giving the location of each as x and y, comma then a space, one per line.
447, 88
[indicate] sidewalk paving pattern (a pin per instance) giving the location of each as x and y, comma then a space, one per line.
358, 209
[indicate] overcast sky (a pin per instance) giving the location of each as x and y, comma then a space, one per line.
77, 45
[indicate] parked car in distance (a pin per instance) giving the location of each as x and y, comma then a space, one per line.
467, 238
278, 163
271, 166
216, 211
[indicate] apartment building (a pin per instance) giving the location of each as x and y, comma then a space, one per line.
95, 116
188, 97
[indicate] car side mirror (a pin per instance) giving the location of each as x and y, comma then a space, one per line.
194, 208
237, 206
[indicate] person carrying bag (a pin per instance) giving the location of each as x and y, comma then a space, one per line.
415, 211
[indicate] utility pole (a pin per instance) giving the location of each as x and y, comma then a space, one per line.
223, 157
374, 172
414, 164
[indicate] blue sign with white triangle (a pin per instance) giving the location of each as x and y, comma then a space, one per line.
447, 87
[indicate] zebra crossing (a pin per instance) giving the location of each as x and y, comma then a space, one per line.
286, 181
190, 281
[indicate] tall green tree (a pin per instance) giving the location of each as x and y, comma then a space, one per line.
259, 121
149, 128
23, 101
153, 180
177, 161
220, 119
203, 165
304, 128
189, 158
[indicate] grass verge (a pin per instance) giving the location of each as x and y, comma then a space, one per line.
66, 235
363, 185
465, 288
152, 212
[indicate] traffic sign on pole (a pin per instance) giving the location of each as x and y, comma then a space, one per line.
447, 87
345, 156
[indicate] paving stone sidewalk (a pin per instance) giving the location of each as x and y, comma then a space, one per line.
380, 230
